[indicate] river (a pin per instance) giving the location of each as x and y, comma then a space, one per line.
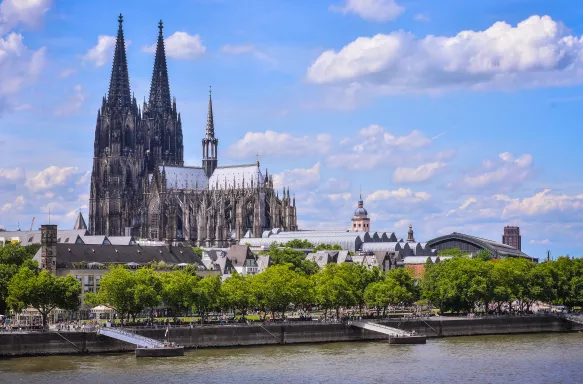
545, 358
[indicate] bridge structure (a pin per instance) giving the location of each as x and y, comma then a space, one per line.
395, 335
130, 337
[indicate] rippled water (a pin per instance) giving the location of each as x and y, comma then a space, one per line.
548, 358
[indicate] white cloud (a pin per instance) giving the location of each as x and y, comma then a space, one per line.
16, 205
537, 52
541, 203
67, 72
421, 17
271, 143
375, 146
18, 67
507, 172
102, 52
29, 13
73, 103
51, 177
415, 175
462, 207
241, 49
372, 10
297, 178
180, 46
15, 174
545, 241
401, 194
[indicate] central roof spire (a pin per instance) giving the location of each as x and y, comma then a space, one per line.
210, 124
160, 87
119, 85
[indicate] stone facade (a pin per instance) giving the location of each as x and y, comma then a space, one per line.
140, 186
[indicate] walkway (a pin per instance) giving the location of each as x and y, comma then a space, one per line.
130, 337
389, 331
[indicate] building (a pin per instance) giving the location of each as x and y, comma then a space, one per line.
140, 186
360, 220
472, 244
512, 237
416, 264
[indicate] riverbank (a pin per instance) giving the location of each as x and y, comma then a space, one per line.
32, 344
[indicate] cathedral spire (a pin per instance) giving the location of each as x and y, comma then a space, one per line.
160, 87
119, 85
210, 123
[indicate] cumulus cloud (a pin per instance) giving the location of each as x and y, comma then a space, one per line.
401, 194
374, 146
29, 13
372, 10
242, 49
545, 241
273, 143
536, 52
462, 207
297, 178
507, 172
102, 52
415, 175
18, 67
180, 46
541, 203
15, 205
52, 177
73, 103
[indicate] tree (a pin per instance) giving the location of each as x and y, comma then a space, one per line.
43, 291
179, 290
296, 260
397, 288
279, 286
12, 257
327, 247
332, 291
237, 293
116, 290
299, 244
358, 277
207, 294
148, 289
484, 255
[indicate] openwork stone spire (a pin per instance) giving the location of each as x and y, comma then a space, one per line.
160, 87
210, 123
119, 85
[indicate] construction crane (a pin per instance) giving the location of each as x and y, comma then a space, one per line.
32, 224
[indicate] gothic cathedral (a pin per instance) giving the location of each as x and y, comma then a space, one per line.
140, 186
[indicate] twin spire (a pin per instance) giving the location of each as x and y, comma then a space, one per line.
119, 85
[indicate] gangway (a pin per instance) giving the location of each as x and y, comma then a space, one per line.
396, 335
130, 337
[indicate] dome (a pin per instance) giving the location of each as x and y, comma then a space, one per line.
360, 211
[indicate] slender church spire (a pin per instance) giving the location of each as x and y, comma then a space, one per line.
210, 123
160, 87
119, 85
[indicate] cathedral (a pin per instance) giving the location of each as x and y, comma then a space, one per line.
140, 186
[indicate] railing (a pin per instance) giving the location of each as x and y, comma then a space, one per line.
125, 335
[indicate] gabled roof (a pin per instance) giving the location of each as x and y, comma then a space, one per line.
236, 176
122, 254
184, 177
239, 253
80, 223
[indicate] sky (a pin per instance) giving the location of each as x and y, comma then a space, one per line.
452, 116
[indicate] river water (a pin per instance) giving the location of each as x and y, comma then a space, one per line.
546, 358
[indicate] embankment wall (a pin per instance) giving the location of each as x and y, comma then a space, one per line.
27, 344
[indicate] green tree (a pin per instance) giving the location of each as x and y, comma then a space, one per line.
117, 291
296, 260
358, 277
484, 255
279, 286
332, 291
237, 293
43, 291
12, 257
327, 247
207, 295
148, 289
299, 244
179, 290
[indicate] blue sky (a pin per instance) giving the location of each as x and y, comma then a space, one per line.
451, 115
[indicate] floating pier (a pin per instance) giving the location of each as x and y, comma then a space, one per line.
395, 335
145, 347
